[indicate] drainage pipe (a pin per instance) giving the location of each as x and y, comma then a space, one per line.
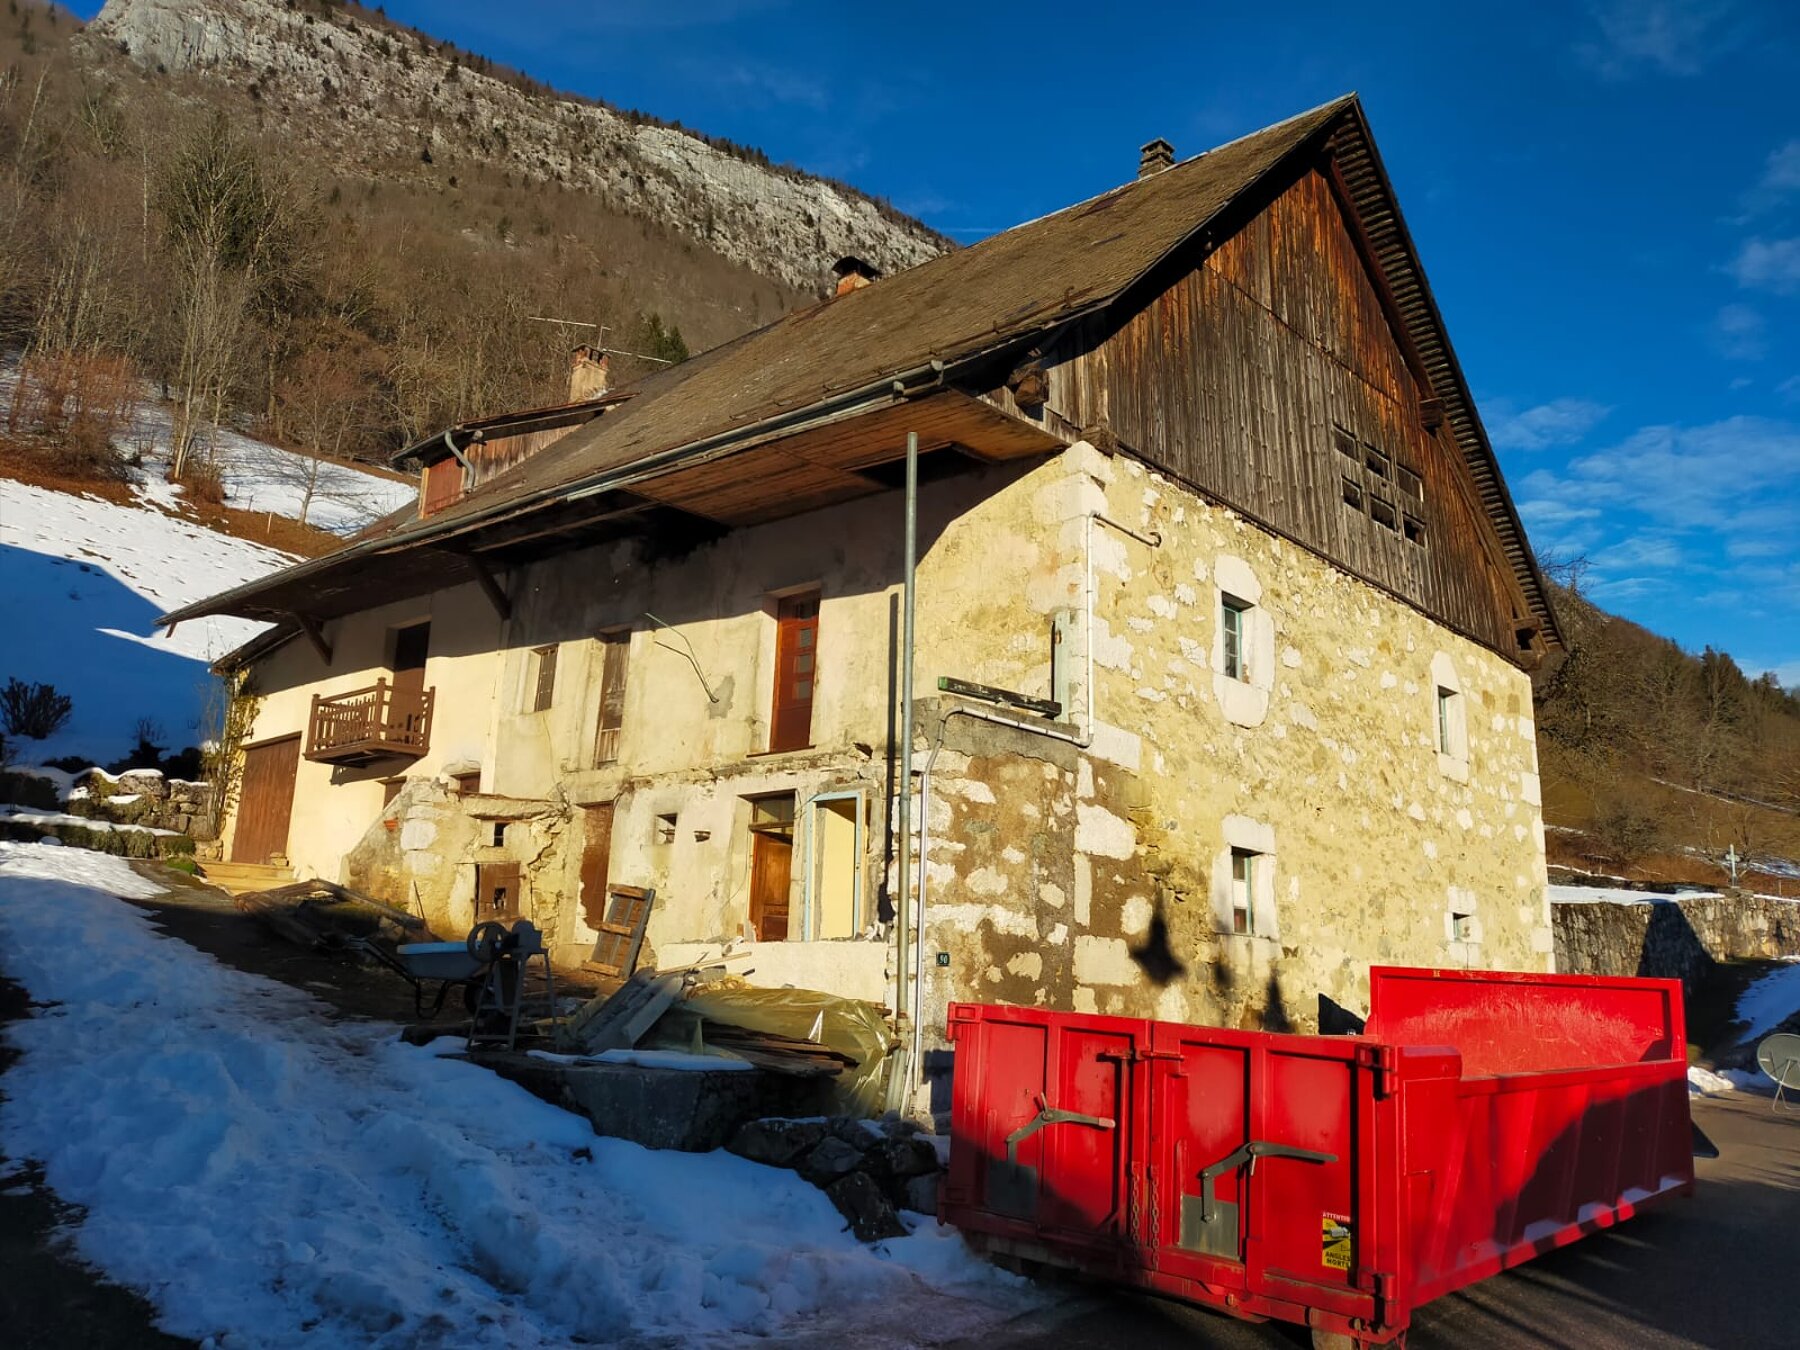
904, 873
1080, 741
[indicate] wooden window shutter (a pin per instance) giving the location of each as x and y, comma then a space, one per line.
545, 692
443, 485
617, 648
796, 669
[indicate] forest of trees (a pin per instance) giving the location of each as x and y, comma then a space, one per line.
1623, 705
147, 234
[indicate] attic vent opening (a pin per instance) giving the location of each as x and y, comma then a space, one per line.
1154, 157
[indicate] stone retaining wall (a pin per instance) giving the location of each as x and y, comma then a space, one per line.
1672, 939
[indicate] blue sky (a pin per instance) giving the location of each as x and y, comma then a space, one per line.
1606, 194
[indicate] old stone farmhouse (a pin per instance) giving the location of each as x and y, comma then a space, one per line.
1232, 605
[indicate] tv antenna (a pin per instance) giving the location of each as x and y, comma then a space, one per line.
600, 338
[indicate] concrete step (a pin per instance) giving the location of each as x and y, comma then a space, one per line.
239, 878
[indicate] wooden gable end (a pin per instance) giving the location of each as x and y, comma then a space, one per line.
1269, 378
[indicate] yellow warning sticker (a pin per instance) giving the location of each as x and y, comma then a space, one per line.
1334, 1242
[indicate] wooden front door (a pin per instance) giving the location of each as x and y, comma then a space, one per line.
596, 855
410, 647
265, 800
771, 865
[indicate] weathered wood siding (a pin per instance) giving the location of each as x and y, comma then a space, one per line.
1233, 379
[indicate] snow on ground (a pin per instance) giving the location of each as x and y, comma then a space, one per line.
1703, 1082
257, 476
1587, 895
82, 581
267, 1176
1771, 1000
31, 815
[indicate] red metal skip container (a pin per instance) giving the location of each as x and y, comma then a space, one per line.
1335, 1181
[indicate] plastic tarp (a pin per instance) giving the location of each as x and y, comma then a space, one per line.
846, 1025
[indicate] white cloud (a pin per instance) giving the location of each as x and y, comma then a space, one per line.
1768, 264
1738, 333
1739, 473
1561, 421
1547, 513
1671, 37
1790, 388
1782, 174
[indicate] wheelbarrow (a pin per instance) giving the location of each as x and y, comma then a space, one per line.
488, 966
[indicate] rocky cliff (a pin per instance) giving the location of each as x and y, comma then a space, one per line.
379, 96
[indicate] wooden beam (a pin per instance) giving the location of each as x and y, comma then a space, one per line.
490, 587
314, 635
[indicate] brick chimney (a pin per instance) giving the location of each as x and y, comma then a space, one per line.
852, 274
587, 373
1156, 156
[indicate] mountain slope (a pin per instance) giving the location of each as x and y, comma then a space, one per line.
383, 97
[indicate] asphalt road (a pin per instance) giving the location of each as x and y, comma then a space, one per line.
1720, 1269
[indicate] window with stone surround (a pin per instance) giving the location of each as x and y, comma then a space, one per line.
1243, 891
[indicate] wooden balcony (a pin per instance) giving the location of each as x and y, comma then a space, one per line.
379, 722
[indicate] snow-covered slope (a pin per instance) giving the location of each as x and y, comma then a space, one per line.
267, 1177
263, 477
81, 582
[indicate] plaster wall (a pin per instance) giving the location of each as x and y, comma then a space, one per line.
334, 806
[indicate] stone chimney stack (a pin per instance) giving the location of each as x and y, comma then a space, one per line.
852, 274
1156, 156
587, 373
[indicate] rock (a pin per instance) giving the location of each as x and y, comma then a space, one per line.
146, 783
903, 1159
922, 1194
865, 1208
853, 1132
776, 1143
829, 1160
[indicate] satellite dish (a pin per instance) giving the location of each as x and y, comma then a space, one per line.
1779, 1057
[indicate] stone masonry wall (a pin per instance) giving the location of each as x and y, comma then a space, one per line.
1098, 877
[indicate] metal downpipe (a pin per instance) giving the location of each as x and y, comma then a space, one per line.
907, 647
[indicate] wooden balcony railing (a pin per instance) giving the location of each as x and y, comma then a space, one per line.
369, 724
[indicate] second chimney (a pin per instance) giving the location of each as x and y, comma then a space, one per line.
587, 373
1156, 156
851, 273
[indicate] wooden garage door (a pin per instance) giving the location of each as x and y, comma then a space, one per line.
266, 800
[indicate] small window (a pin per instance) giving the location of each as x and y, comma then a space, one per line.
1409, 482
1377, 463
616, 648
665, 828
1382, 512
1414, 530
1353, 495
1243, 891
466, 784
544, 681
499, 837
1344, 442
496, 891
1462, 927
1446, 719
1233, 627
